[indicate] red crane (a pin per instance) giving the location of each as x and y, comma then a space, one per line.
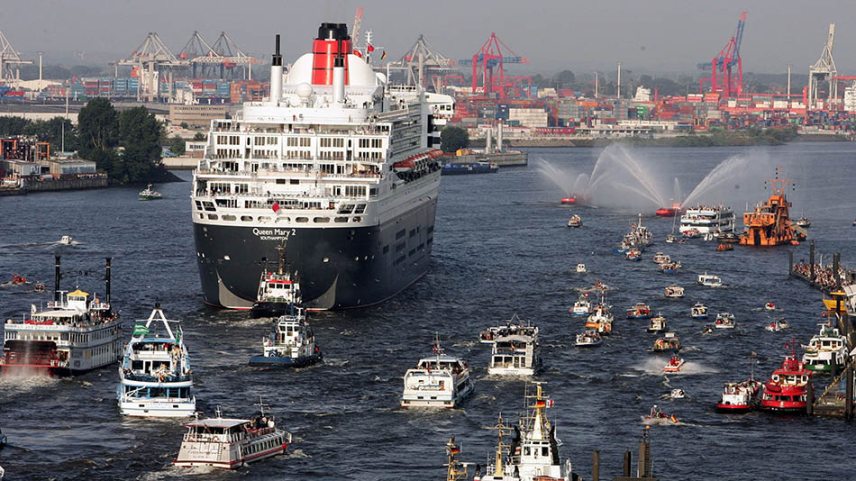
723, 78
489, 67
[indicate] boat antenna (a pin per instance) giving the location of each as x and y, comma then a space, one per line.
107, 267
280, 250
57, 277
218, 412
261, 406
438, 349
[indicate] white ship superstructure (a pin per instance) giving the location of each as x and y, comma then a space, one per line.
335, 161
707, 220
439, 381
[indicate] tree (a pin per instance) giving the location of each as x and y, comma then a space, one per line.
199, 136
97, 127
52, 131
565, 78
454, 138
139, 134
13, 126
176, 145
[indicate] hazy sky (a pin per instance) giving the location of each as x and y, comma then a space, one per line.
652, 35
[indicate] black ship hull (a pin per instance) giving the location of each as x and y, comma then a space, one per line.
337, 267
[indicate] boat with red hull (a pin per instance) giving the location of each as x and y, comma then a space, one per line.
787, 389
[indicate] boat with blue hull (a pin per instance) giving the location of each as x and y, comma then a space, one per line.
291, 343
465, 168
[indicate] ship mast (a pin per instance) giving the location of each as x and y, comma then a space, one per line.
455, 470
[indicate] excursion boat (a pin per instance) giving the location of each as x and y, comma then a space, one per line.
231, 443
707, 219
827, 351
739, 397
581, 269
582, 307
787, 388
671, 267
439, 381
600, 319
575, 221
709, 280
659, 418
639, 311
155, 379
777, 325
660, 258
150, 194
279, 291
724, 320
515, 355
673, 291
77, 332
533, 453
291, 343
514, 326
674, 365
657, 324
669, 342
698, 311
588, 338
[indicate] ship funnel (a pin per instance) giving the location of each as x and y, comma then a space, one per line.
276, 75
332, 41
339, 80
57, 277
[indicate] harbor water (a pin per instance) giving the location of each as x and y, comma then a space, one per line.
501, 247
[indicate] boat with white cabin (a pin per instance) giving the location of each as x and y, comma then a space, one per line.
588, 338
709, 280
515, 355
707, 220
657, 324
438, 381
582, 307
827, 351
698, 311
291, 343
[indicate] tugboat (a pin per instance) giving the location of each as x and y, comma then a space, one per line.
673, 291
582, 307
770, 224
787, 388
674, 365
657, 417
724, 320
669, 342
514, 326
515, 355
657, 324
826, 352
639, 311
78, 332
291, 343
231, 443
155, 376
709, 280
739, 397
698, 311
575, 221
588, 338
150, 194
439, 381
278, 291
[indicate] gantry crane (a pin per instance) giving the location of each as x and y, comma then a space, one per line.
723, 78
823, 70
489, 68
10, 60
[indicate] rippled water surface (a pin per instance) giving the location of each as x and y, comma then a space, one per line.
501, 247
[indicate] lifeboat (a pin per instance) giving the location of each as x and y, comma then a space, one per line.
416, 163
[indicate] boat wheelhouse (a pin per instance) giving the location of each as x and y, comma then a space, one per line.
704, 219
826, 351
291, 343
515, 355
439, 381
155, 379
279, 290
514, 326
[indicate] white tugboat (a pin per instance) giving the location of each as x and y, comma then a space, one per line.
582, 307
826, 352
725, 320
515, 355
709, 280
155, 376
77, 332
439, 381
291, 343
279, 290
698, 311
231, 443
514, 326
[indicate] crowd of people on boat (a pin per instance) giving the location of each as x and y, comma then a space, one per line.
824, 276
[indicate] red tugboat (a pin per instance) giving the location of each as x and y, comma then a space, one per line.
672, 211
787, 389
569, 200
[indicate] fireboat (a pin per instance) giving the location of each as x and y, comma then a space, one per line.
672, 211
770, 224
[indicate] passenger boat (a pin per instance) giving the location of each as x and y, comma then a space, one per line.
699, 220
669, 342
770, 223
515, 355
769, 306
787, 388
150, 194
533, 452
514, 326
77, 332
231, 443
673, 291
588, 338
439, 381
581, 269
291, 343
634, 254
582, 307
657, 417
600, 319
777, 325
639, 311
739, 397
724, 247
827, 351
660, 258
724, 320
657, 324
674, 365
709, 280
698, 311
575, 221
279, 290
671, 267
155, 379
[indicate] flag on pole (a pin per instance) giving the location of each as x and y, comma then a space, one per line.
275, 207
550, 403
369, 48
358, 53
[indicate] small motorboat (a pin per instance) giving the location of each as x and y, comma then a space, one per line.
724, 320
569, 200
659, 418
770, 306
639, 311
39, 287
634, 254
660, 258
698, 311
670, 267
669, 342
671, 239
709, 280
581, 268
691, 233
677, 393
707, 329
588, 338
739, 397
803, 222
657, 324
674, 365
723, 247
150, 194
575, 221
66, 240
777, 325
674, 291
582, 307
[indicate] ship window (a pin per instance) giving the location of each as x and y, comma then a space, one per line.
283, 220
301, 219
400, 234
358, 219
399, 247
280, 181
212, 216
412, 232
264, 219
340, 219
321, 220
294, 181
360, 207
246, 218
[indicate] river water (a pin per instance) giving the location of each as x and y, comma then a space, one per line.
501, 247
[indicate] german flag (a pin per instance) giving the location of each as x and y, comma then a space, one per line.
540, 403
383, 55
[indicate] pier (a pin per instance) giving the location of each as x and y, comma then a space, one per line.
819, 276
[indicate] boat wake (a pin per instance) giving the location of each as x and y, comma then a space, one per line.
654, 367
25, 380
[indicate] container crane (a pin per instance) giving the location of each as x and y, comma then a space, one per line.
489, 67
823, 70
722, 76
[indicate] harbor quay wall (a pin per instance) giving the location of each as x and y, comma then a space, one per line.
95, 181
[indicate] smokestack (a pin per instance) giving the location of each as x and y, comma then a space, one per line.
57, 277
107, 280
339, 80
276, 75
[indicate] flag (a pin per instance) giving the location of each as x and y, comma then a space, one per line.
550, 403
383, 55
275, 207
369, 48
358, 54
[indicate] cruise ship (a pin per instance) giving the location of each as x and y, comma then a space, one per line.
701, 220
337, 162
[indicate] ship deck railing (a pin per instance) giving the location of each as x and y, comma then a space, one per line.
265, 172
133, 376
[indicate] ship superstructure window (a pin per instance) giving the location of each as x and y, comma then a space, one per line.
355, 191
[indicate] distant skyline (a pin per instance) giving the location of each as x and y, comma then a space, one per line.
668, 36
